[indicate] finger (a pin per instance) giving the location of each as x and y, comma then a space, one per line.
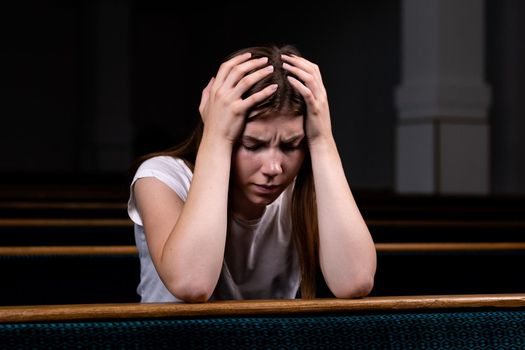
205, 95
304, 64
239, 71
225, 68
249, 80
303, 90
300, 62
311, 81
258, 97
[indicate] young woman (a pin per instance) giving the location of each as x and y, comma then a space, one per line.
256, 201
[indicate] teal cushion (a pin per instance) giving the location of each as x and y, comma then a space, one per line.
503, 329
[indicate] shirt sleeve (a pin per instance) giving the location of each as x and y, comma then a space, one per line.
171, 171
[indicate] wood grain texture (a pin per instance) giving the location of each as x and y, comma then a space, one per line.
380, 247
442, 224
37, 222
63, 205
411, 223
68, 250
12, 314
450, 247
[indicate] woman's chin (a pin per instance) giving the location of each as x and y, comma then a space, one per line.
261, 200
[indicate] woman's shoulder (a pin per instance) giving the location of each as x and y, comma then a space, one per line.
164, 164
170, 170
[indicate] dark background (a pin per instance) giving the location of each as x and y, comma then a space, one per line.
87, 86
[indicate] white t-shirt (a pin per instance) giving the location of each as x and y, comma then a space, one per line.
260, 261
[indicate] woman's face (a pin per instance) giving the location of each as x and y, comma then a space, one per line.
269, 155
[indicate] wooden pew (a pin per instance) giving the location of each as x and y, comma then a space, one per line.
380, 248
388, 205
439, 321
418, 254
98, 209
68, 274
112, 197
66, 231
79, 189
449, 268
101, 274
21, 209
111, 231
38, 313
412, 230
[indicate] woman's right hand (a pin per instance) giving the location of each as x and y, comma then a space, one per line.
222, 108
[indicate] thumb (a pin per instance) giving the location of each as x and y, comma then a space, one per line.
205, 96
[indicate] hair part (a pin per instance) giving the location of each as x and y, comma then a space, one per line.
286, 99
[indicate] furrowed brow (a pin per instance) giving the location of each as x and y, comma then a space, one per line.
293, 138
253, 139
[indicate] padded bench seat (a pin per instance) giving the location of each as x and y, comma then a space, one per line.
430, 322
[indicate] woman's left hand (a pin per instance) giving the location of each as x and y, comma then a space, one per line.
311, 87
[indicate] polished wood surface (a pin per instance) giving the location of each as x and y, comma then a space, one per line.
380, 247
37, 222
259, 307
450, 247
66, 205
122, 222
68, 250
447, 223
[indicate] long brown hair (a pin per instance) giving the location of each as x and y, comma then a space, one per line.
303, 210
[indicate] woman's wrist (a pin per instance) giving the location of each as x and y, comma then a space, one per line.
322, 143
214, 140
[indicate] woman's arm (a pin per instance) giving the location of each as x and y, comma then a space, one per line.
187, 240
186, 249
346, 250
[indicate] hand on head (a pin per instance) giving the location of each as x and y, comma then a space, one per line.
222, 107
312, 89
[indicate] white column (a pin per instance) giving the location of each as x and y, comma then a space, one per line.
443, 130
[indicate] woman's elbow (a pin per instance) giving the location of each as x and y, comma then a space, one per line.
191, 291
354, 289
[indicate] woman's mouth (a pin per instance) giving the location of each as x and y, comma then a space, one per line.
267, 188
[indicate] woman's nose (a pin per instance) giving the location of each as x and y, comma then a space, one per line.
272, 164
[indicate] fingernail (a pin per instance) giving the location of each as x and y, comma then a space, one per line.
273, 87
269, 68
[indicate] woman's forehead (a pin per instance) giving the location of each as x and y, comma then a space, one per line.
286, 125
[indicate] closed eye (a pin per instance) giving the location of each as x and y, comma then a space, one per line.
289, 147
252, 148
